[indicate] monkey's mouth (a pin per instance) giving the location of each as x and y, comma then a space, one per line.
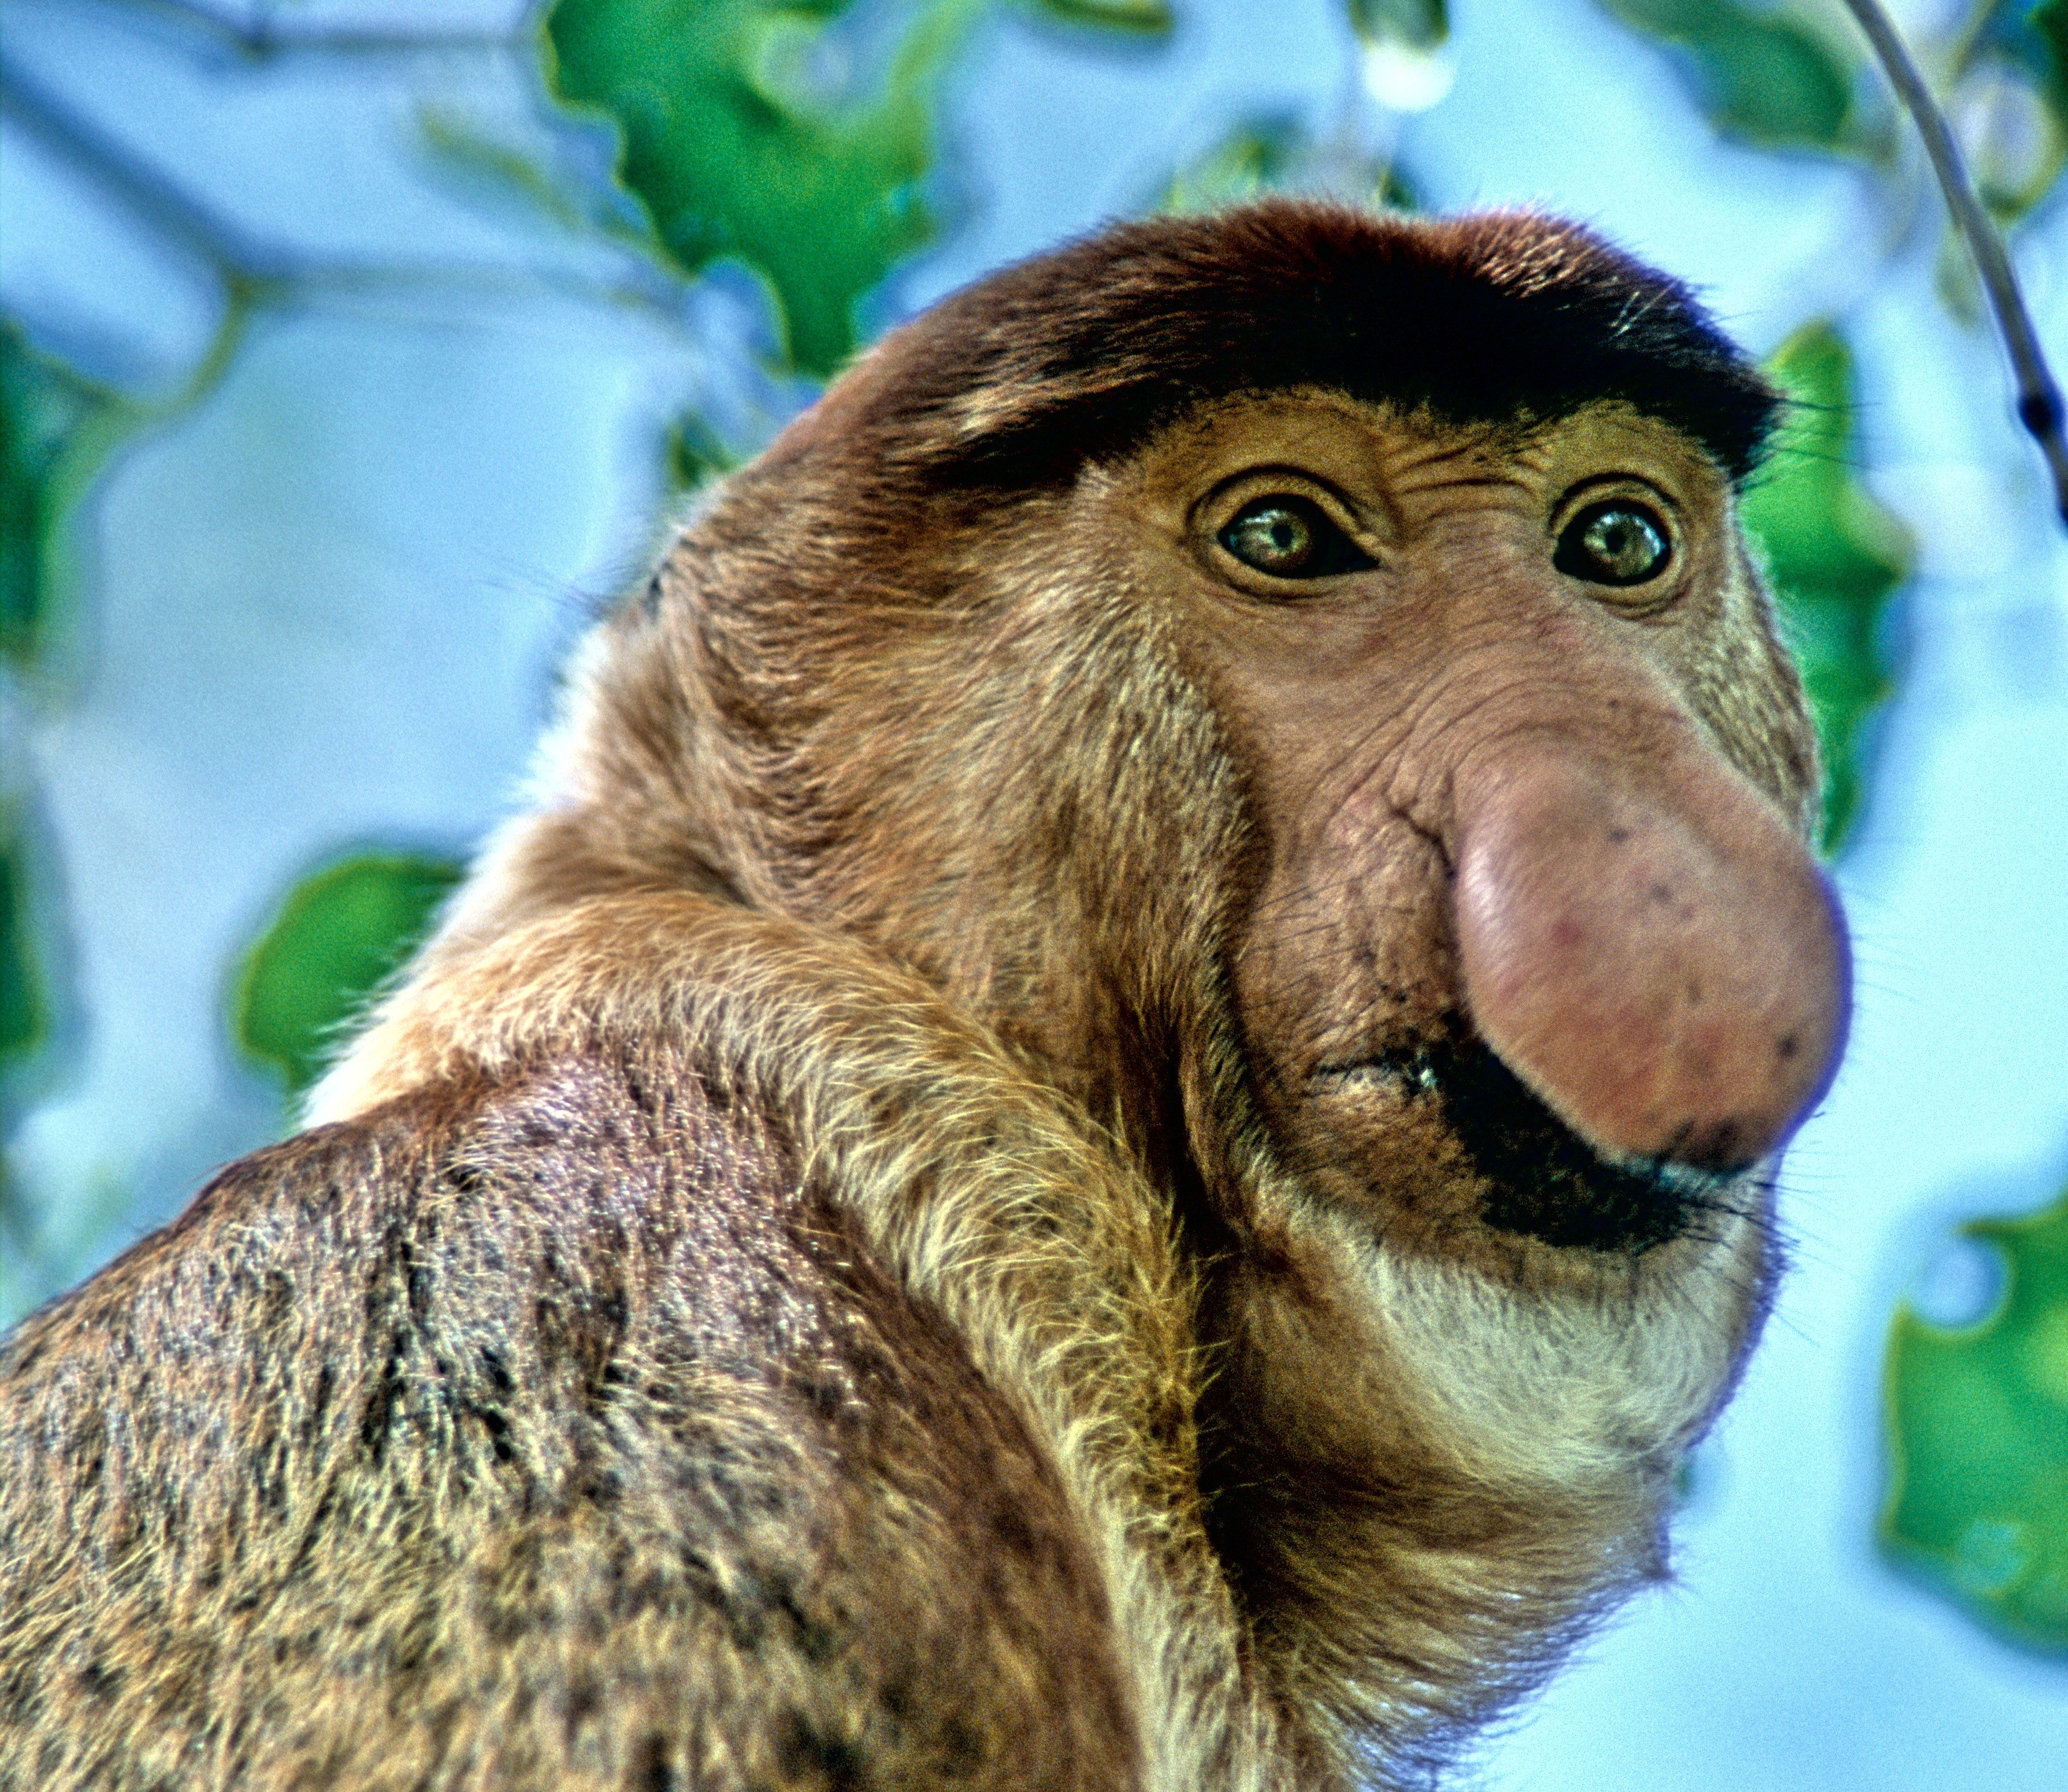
1535, 1177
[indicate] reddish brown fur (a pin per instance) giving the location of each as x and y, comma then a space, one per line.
942, 1213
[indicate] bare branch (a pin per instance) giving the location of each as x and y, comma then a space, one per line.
256, 272
264, 39
2039, 407
146, 190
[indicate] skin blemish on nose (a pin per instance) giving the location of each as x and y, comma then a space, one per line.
1718, 1148
1618, 836
1786, 1047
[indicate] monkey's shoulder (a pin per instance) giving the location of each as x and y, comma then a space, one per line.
568, 1423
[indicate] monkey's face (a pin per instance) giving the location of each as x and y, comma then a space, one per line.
1533, 955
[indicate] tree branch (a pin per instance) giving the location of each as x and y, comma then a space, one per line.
256, 272
263, 38
2039, 407
144, 189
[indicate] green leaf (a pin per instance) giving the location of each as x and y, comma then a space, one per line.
2034, 37
2049, 22
1835, 557
338, 933
25, 1000
1251, 159
1772, 77
740, 139
2010, 104
1420, 25
1146, 18
55, 428
1978, 1442
36, 1002
695, 454
1276, 154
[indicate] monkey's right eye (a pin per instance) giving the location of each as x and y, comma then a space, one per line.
1618, 543
1291, 537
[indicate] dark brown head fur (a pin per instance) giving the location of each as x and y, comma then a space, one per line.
1080, 356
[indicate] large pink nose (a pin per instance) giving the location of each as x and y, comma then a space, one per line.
1651, 950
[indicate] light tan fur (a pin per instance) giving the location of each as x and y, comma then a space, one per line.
989, 1197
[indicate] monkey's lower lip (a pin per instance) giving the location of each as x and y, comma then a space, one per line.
1540, 1178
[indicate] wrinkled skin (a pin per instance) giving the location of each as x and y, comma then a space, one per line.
1564, 818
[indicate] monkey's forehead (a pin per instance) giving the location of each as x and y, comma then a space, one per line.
1083, 352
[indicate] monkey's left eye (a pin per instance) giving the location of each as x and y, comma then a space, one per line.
1615, 543
1291, 537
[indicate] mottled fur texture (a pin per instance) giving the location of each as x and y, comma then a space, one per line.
843, 1263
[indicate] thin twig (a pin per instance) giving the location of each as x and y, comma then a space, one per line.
256, 272
146, 190
2039, 407
264, 39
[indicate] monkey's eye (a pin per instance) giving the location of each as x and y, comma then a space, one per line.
1290, 537
1615, 543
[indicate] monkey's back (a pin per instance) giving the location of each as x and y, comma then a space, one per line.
560, 1435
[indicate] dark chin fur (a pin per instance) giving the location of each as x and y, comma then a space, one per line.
1542, 1180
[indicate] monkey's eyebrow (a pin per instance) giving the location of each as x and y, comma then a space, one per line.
1261, 473
1612, 478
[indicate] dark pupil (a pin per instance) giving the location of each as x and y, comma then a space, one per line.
1291, 537
1272, 537
1617, 545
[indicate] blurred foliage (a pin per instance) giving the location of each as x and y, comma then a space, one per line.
2033, 36
1419, 25
740, 138
2009, 102
1147, 19
1978, 1441
56, 428
1835, 557
1789, 76
1776, 76
1277, 154
338, 933
30, 1009
695, 454
25, 1002
759, 129
1253, 158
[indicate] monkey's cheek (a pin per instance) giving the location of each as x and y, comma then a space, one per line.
1675, 984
